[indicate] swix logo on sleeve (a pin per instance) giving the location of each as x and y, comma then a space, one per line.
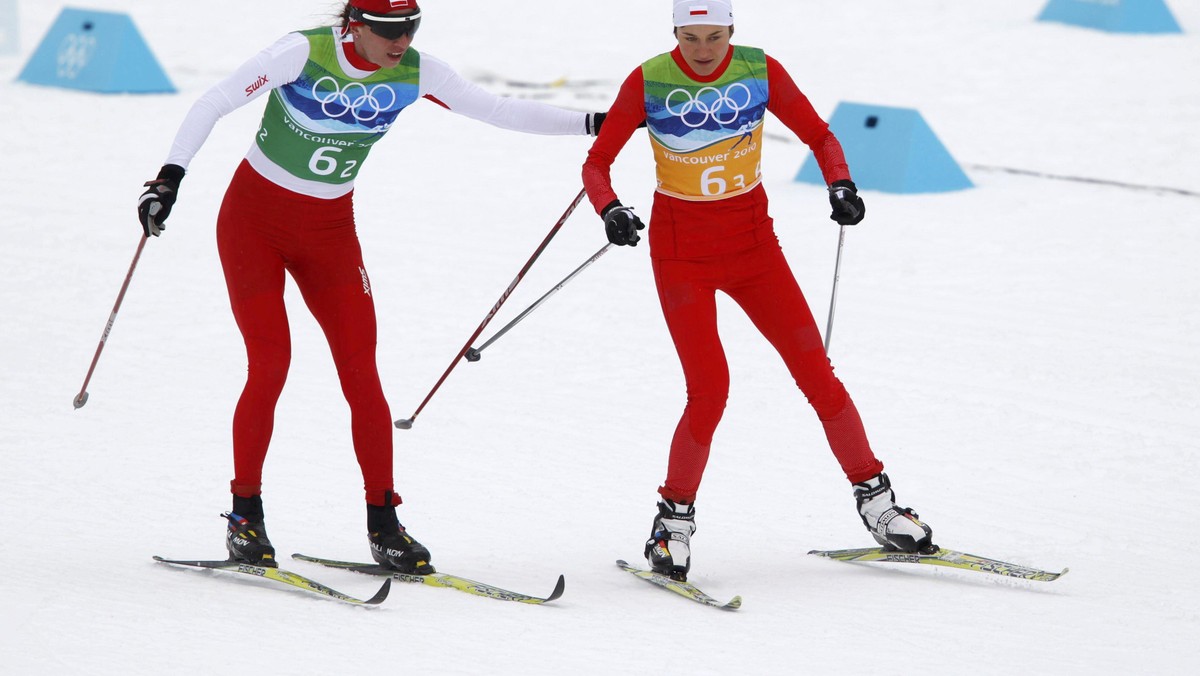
400, 4
262, 80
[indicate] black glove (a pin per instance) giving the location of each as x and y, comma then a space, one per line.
591, 124
848, 207
155, 204
621, 224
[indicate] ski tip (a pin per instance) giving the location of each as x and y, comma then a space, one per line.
163, 559
1054, 576
381, 594
734, 603
558, 589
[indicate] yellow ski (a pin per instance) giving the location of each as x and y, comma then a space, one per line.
440, 580
684, 589
941, 557
284, 577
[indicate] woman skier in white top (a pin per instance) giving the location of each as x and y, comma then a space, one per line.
333, 92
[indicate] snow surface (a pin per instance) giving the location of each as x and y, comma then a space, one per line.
1024, 355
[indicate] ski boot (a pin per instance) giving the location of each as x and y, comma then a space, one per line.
391, 545
669, 550
895, 528
246, 538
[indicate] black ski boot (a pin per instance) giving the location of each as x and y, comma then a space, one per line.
391, 546
246, 539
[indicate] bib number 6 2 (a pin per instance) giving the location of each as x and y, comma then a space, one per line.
325, 162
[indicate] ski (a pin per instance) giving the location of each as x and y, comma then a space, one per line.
685, 589
440, 580
941, 557
284, 577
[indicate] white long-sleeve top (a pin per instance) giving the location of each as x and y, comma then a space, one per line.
325, 112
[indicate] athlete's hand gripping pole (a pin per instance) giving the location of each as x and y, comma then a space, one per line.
82, 397
407, 423
848, 209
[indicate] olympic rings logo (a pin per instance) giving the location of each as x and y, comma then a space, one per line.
365, 104
74, 54
726, 104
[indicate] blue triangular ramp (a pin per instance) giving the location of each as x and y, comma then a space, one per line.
95, 51
1114, 16
891, 150
9, 30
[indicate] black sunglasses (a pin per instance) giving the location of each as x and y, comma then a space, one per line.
387, 26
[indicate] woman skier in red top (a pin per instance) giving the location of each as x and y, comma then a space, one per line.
704, 104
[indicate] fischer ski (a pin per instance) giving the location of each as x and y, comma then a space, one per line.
941, 557
439, 580
685, 589
285, 577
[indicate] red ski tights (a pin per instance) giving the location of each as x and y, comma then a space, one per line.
264, 230
759, 280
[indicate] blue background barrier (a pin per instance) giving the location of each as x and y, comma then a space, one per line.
1115, 16
9, 29
889, 149
95, 51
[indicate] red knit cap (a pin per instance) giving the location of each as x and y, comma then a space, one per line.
385, 6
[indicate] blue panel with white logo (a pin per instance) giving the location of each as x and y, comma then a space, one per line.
9, 30
1114, 16
890, 150
96, 51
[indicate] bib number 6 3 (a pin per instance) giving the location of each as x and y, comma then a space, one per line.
712, 184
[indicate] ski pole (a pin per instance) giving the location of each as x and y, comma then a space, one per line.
407, 423
82, 397
836, 276
473, 354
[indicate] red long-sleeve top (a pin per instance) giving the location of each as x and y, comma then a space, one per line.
786, 102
